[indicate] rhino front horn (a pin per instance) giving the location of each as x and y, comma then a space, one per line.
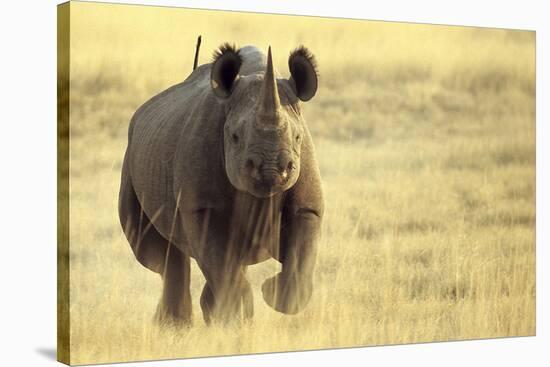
269, 96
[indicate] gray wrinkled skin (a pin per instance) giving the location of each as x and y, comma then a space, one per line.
230, 181
255, 143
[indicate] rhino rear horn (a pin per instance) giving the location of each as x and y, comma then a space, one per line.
303, 69
225, 69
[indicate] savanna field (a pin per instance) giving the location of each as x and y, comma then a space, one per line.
425, 137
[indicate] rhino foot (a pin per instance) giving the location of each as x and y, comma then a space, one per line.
288, 295
170, 317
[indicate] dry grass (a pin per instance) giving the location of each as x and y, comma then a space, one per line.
426, 142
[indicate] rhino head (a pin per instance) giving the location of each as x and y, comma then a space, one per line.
264, 128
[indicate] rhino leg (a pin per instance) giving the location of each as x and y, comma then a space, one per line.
248, 302
175, 303
148, 245
208, 305
290, 290
227, 291
156, 253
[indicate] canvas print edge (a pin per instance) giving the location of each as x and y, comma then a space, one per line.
63, 85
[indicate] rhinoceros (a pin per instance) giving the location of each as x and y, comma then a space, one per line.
221, 168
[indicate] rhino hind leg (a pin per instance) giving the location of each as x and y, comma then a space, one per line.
148, 245
207, 304
175, 307
156, 253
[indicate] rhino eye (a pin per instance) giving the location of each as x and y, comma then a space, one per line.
235, 138
297, 138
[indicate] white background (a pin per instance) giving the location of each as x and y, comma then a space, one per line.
28, 182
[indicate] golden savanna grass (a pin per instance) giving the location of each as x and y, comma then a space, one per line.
425, 137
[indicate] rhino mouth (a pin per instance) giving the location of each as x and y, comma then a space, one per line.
264, 182
267, 186
264, 190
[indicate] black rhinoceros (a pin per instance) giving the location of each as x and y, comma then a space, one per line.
222, 168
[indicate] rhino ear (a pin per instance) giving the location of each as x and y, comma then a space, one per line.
303, 69
225, 69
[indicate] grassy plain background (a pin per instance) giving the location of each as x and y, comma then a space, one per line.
426, 142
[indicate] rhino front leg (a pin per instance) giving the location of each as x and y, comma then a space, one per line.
290, 290
227, 309
227, 291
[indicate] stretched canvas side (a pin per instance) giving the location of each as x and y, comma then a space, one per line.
63, 274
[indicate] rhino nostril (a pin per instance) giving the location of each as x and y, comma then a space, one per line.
249, 164
290, 166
